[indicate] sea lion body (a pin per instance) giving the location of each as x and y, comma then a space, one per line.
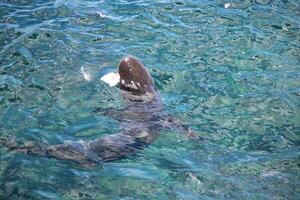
140, 119
141, 123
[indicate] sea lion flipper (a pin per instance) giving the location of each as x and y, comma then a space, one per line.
33, 148
77, 152
8, 142
180, 126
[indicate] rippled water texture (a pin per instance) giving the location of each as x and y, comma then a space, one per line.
229, 69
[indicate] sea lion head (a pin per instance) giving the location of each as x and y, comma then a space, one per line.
134, 77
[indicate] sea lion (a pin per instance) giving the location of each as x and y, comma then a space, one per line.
142, 121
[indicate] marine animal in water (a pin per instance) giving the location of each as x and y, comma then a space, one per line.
141, 121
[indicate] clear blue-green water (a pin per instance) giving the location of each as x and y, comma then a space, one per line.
230, 71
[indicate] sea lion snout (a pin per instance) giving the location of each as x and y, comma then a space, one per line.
134, 76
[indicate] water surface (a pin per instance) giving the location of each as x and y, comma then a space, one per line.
229, 69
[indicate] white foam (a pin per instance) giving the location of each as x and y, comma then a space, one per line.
227, 5
111, 78
101, 14
86, 75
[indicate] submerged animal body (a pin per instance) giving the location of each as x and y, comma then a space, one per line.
142, 121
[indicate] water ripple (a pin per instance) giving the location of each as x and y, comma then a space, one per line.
229, 69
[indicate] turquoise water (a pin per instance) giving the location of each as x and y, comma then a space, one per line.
230, 71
